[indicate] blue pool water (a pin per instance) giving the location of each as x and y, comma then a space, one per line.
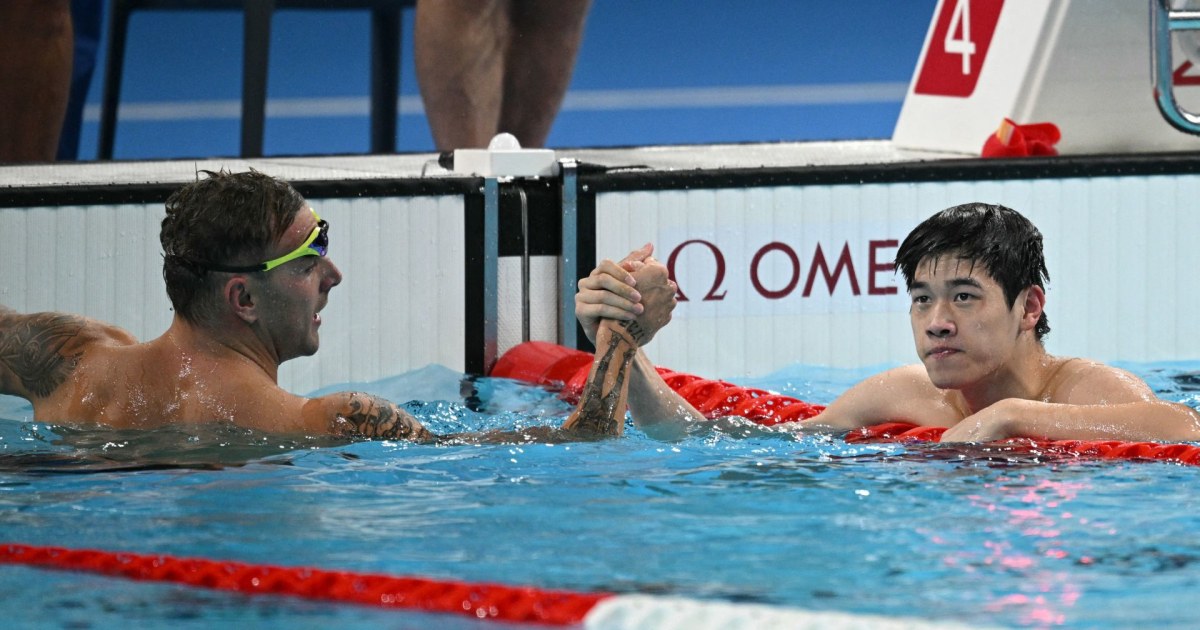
937, 533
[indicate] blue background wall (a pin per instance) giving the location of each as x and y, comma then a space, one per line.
661, 72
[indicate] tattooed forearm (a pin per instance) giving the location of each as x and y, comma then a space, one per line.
373, 417
34, 348
601, 410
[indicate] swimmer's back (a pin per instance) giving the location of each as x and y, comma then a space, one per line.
39, 352
165, 382
76, 370
79, 370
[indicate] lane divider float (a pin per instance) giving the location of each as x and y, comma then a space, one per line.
559, 367
482, 601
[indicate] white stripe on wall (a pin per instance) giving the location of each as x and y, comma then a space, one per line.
576, 100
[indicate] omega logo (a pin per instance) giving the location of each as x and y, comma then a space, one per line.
817, 263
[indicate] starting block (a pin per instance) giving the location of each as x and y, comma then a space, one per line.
1086, 66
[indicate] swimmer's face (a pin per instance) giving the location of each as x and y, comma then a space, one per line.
963, 328
296, 291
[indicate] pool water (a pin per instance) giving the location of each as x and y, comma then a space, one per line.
939, 533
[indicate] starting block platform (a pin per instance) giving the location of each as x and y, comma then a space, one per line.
1083, 65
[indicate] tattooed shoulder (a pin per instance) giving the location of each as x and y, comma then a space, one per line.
39, 351
374, 417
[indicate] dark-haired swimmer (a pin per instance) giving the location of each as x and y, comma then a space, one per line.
246, 270
976, 276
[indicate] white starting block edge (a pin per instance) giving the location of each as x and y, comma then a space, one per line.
504, 157
1083, 65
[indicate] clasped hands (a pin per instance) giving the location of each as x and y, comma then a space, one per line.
638, 289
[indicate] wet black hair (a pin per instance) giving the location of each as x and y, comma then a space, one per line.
1007, 244
223, 218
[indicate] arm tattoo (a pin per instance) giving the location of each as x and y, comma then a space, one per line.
35, 349
635, 330
374, 417
598, 410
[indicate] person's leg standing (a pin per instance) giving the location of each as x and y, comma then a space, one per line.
541, 58
36, 44
460, 47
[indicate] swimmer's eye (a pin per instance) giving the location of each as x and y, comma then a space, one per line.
920, 299
963, 297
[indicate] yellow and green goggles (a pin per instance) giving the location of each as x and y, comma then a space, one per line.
317, 244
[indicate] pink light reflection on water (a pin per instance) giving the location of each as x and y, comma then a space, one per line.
1039, 514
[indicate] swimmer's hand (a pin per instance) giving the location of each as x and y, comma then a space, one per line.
995, 422
609, 293
658, 300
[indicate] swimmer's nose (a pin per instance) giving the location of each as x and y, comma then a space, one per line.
333, 277
940, 324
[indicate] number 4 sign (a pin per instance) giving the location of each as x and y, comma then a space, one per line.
959, 44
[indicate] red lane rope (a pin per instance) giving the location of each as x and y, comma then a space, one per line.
1099, 449
482, 601
554, 366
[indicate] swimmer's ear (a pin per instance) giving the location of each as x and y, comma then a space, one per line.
1034, 301
237, 296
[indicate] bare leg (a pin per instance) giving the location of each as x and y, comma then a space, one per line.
36, 47
486, 66
459, 50
541, 58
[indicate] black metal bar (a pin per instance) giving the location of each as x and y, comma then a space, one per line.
256, 56
385, 77
114, 66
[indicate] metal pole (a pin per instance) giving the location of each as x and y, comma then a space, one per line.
491, 269
524, 264
567, 331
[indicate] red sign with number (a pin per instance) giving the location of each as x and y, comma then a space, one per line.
960, 41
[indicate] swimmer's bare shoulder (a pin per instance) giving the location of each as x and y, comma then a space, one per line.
1086, 382
38, 351
902, 394
357, 414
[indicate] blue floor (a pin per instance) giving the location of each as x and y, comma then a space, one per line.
662, 72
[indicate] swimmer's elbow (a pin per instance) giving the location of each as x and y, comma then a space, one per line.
355, 414
1187, 420
827, 423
